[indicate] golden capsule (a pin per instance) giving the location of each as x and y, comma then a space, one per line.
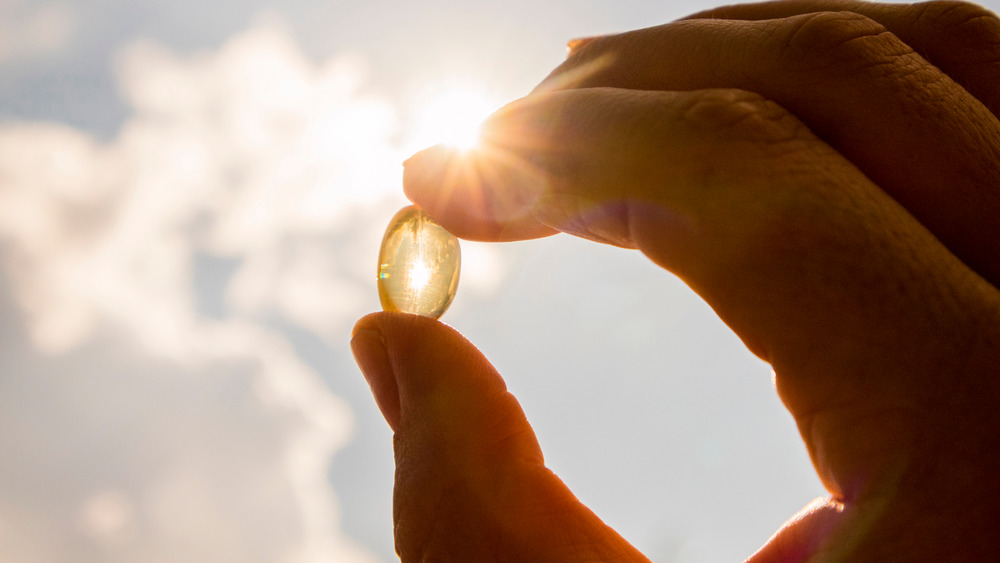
418, 265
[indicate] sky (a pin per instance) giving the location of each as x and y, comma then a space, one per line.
192, 195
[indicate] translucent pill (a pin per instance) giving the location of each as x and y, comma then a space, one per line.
418, 265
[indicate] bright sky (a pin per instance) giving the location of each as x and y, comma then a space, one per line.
191, 200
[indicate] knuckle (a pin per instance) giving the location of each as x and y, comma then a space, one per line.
972, 27
825, 30
773, 190
765, 149
841, 42
739, 115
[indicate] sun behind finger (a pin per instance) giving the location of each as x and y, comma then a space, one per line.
451, 116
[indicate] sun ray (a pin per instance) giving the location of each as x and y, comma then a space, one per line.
451, 116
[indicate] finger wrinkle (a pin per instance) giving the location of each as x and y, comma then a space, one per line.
835, 38
954, 18
741, 115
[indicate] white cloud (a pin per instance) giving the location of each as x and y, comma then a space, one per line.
251, 154
29, 31
108, 515
483, 267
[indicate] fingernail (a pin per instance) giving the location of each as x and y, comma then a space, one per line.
371, 356
426, 157
574, 45
426, 173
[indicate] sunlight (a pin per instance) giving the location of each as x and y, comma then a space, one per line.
420, 275
452, 117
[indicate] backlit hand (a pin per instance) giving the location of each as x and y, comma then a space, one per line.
826, 175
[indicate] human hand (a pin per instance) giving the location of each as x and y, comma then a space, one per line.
829, 182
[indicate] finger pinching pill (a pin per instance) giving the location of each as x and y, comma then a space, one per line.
418, 265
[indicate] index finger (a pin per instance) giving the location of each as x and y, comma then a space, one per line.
815, 268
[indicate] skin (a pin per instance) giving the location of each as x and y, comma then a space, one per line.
826, 175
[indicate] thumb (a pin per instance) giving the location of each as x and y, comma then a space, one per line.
471, 483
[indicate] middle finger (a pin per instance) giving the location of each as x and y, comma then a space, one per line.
908, 126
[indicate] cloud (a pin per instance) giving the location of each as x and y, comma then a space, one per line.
252, 157
31, 31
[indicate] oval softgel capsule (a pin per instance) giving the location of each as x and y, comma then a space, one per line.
418, 265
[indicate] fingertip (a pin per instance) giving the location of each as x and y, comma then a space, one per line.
431, 179
427, 164
446, 390
368, 347
404, 357
412, 351
473, 194
367, 322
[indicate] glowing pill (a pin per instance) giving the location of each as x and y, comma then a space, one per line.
418, 265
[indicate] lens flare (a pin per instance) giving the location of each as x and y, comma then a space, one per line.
452, 117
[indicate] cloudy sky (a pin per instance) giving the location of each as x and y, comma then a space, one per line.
191, 200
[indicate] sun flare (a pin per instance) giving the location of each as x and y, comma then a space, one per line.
451, 116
